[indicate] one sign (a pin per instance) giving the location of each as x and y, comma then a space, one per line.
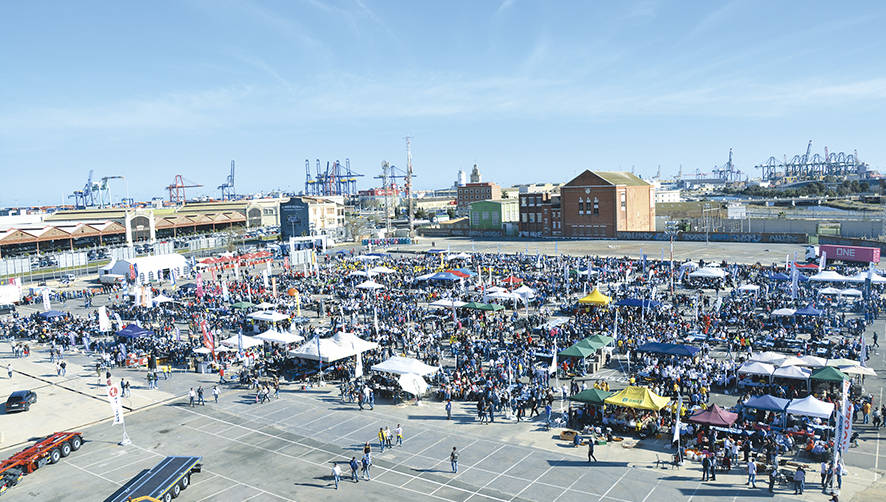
114, 400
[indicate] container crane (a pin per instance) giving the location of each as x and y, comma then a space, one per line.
227, 188
177, 189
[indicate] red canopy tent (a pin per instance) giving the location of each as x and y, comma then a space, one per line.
512, 280
715, 416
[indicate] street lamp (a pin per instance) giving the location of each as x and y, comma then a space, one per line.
671, 230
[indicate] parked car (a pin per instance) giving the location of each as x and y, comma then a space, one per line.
21, 400
7, 308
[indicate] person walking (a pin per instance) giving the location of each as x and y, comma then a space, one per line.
453, 460
336, 474
191, 396
381, 440
752, 474
398, 432
389, 437
773, 474
448, 404
824, 475
367, 465
705, 468
64, 367
200, 400
799, 481
591, 450
215, 393
354, 467
9, 370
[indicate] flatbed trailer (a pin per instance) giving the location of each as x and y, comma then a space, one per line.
162, 483
48, 450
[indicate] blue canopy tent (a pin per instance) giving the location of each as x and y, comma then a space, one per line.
671, 349
809, 310
133, 331
767, 402
779, 276
436, 251
467, 271
51, 314
637, 302
443, 276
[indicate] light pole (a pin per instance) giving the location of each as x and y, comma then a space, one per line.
671, 229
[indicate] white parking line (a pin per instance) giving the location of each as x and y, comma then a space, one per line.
508, 469
652, 490
616, 482
220, 492
94, 474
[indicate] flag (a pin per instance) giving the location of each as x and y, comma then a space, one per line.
822, 261
358, 371
240, 342
265, 280
863, 354
46, 305
208, 342
286, 263
226, 295
199, 291
677, 422
172, 276
795, 280
787, 259
274, 286
553, 367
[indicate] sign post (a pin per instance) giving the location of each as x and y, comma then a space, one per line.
117, 409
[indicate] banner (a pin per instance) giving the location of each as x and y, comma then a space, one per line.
114, 401
226, 295
677, 422
199, 286
104, 323
265, 280
274, 286
358, 371
208, 342
844, 424
286, 263
46, 305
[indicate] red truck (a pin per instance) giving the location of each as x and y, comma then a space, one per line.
844, 253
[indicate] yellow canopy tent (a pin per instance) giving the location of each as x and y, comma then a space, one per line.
637, 397
595, 298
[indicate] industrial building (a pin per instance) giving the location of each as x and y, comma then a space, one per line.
473, 192
494, 217
600, 204
304, 216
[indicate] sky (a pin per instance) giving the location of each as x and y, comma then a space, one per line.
531, 91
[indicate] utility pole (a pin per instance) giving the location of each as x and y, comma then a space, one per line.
671, 229
386, 188
409, 183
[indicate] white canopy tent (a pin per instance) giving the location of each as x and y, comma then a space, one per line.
708, 273
857, 370
268, 316
370, 284
851, 292
265, 306
813, 361
340, 346
829, 291
367, 257
281, 337
828, 276
767, 357
756, 368
504, 296
162, 299
748, 288
359, 273
863, 276
790, 361
381, 270
425, 276
783, 312
447, 303
809, 406
248, 341
793, 372
525, 291
399, 365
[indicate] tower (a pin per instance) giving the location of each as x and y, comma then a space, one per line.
462, 178
475, 175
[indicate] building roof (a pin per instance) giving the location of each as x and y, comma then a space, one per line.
614, 178
621, 178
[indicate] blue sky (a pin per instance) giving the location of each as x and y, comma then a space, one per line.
532, 91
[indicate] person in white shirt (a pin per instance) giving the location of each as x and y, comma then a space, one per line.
752, 474
336, 475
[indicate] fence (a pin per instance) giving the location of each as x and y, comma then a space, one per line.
761, 237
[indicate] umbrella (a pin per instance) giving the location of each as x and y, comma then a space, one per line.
413, 384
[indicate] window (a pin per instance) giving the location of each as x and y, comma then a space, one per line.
531, 217
624, 201
523, 201
523, 217
596, 205
581, 206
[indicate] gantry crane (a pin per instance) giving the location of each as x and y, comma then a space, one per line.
177, 189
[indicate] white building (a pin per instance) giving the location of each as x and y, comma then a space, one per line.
148, 268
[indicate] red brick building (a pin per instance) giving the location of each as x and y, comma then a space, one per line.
599, 204
539, 215
472, 192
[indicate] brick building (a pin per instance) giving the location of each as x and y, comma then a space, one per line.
473, 192
599, 204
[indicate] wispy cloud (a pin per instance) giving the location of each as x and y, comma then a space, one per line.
505, 5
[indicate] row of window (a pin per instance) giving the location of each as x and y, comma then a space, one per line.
584, 207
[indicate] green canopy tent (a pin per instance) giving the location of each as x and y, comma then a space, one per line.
602, 340
577, 350
242, 305
482, 306
591, 396
828, 374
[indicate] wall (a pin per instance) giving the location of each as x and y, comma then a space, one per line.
785, 238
